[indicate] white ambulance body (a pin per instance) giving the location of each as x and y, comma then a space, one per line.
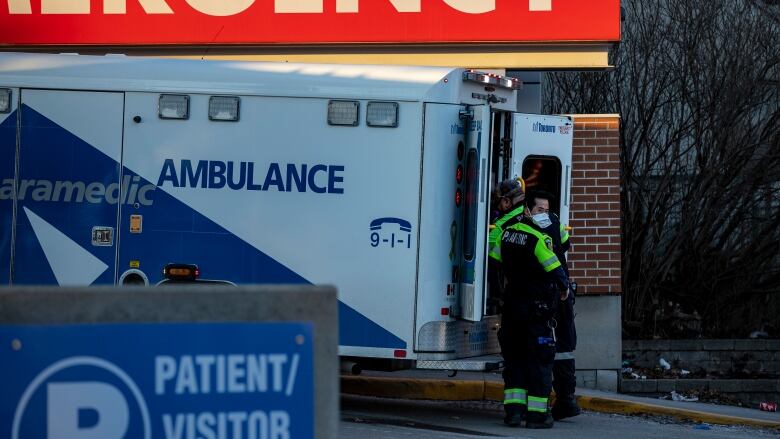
375, 179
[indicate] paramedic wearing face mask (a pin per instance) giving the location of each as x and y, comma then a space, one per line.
536, 282
508, 191
564, 380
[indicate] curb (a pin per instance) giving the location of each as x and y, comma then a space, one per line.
472, 390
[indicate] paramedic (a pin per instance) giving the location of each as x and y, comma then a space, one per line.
536, 283
564, 379
507, 191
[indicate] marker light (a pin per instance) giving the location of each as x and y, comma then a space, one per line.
492, 79
224, 108
174, 107
5, 100
344, 113
382, 114
181, 272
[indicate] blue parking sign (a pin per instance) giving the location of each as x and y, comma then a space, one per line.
173, 381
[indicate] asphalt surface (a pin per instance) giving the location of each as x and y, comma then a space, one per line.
617, 403
379, 418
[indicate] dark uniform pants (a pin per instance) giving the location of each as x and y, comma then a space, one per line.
564, 379
528, 349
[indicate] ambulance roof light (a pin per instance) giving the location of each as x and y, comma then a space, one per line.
382, 114
343, 113
492, 79
224, 108
174, 107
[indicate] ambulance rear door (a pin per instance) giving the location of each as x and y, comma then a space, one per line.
542, 155
475, 210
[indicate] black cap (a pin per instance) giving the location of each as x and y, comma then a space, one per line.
510, 188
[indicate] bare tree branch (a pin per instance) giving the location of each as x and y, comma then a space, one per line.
696, 85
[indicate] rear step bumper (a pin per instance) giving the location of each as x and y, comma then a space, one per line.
485, 363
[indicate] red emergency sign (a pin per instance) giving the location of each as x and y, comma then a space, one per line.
306, 22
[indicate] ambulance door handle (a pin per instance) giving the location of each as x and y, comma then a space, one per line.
466, 114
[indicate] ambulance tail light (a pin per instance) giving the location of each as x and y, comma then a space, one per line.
458, 197
181, 272
399, 353
459, 174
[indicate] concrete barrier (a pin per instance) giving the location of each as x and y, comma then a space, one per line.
598, 354
206, 304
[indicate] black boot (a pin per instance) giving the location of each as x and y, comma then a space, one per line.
515, 415
565, 407
537, 420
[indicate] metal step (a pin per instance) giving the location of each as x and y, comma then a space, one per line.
485, 363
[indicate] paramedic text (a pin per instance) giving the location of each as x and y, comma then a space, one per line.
131, 190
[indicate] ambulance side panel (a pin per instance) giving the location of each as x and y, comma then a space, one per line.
281, 196
8, 123
67, 208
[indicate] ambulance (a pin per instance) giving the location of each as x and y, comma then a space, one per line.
375, 179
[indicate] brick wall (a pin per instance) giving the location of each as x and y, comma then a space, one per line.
595, 255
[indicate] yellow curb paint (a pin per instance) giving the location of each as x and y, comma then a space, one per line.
494, 391
471, 390
607, 405
415, 388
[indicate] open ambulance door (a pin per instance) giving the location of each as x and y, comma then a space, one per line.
476, 202
542, 155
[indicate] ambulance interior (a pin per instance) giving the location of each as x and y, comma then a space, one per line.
539, 173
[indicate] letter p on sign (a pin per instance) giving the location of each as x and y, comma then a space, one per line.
66, 400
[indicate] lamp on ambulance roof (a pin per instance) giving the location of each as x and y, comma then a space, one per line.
382, 114
343, 113
224, 108
174, 107
5, 100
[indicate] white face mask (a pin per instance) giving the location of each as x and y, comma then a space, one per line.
542, 220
